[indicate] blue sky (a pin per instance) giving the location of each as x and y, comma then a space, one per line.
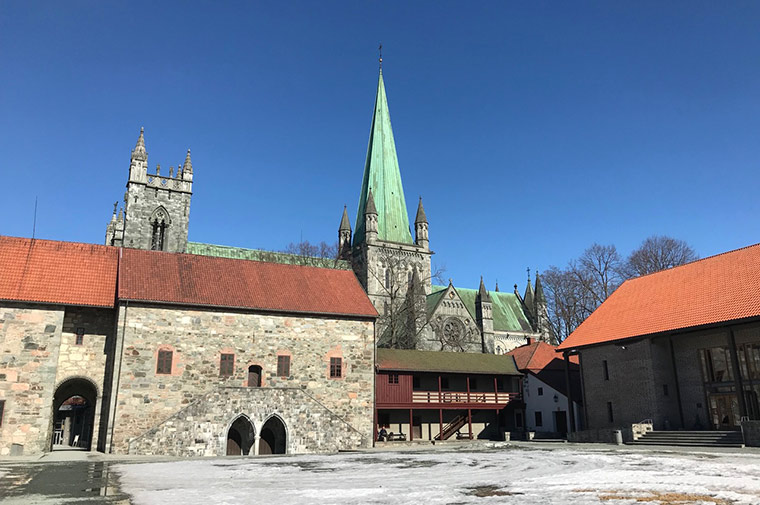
531, 130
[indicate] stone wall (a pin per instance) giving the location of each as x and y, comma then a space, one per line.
29, 341
201, 428
142, 201
751, 432
197, 339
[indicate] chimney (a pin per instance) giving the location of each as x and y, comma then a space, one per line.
530, 340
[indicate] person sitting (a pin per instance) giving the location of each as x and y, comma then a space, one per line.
382, 435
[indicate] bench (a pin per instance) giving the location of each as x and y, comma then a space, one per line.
396, 437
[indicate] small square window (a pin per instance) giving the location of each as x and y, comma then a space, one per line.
80, 336
540, 391
336, 368
227, 365
164, 365
392, 378
283, 365
539, 419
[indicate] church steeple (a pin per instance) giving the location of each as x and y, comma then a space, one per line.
383, 176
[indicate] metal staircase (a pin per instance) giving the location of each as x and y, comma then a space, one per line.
692, 438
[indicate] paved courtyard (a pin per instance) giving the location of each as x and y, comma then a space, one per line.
517, 474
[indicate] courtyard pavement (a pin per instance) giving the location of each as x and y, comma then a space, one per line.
518, 472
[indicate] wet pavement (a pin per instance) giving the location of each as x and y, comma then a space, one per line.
48, 483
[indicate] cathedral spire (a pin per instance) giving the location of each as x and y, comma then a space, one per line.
383, 177
187, 167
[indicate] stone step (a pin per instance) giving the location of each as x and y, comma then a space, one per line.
692, 438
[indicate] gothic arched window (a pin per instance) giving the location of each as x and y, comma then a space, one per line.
387, 278
159, 222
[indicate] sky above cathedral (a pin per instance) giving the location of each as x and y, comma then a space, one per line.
531, 130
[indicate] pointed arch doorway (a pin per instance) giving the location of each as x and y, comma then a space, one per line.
273, 437
240, 437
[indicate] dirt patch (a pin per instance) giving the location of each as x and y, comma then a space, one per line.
659, 497
486, 491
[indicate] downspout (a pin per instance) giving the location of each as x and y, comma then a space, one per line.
570, 408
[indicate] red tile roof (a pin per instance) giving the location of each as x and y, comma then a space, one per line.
189, 279
712, 290
57, 272
537, 356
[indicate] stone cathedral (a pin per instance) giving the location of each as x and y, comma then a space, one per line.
393, 266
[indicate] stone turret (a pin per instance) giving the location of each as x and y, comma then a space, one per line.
138, 163
187, 168
484, 316
370, 220
421, 227
344, 237
541, 313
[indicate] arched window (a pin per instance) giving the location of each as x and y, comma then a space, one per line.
159, 222
387, 278
254, 376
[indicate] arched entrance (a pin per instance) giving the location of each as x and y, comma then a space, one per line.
273, 437
240, 437
74, 405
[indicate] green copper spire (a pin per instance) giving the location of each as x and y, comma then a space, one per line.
383, 177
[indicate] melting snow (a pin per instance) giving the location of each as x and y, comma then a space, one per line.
497, 475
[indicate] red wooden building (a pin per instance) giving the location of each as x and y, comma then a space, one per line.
430, 395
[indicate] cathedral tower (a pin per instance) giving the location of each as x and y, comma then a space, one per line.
156, 209
385, 257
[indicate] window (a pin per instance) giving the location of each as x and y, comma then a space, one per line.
387, 278
392, 378
80, 336
336, 368
409, 277
2, 409
539, 420
610, 417
227, 365
444, 383
283, 365
606, 370
540, 391
254, 376
157, 237
416, 382
164, 365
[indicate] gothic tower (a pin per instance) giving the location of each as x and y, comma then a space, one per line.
385, 257
156, 209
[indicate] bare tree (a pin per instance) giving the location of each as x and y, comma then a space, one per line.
403, 315
599, 271
306, 253
657, 253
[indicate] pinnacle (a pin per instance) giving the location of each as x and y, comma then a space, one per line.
140, 146
421, 217
188, 165
370, 207
345, 224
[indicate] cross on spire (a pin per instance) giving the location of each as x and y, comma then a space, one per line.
528, 274
380, 50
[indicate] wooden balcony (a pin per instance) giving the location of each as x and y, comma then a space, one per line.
463, 397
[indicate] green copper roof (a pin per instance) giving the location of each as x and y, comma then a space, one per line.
508, 314
382, 175
223, 251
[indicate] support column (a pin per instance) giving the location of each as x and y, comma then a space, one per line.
411, 425
374, 439
256, 440
469, 420
738, 382
570, 408
495, 390
468, 389
440, 424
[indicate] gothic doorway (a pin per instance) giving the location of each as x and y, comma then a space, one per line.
74, 405
254, 376
240, 437
273, 437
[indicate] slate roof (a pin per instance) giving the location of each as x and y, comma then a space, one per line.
383, 176
449, 362
223, 251
65, 273
189, 279
712, 290
508, 314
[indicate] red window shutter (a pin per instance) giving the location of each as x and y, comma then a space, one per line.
283, 366
164, 365
336, 368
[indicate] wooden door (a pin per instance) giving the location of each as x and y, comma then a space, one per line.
724, 410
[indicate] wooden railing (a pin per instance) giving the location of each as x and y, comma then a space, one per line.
463, 397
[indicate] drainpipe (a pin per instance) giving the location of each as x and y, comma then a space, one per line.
570, 409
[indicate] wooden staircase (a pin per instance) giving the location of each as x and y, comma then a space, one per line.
692, 438
452, 427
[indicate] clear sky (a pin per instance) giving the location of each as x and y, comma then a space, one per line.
531, 130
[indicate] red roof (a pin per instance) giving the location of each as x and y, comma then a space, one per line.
712, 290
189, 279
538, 355
57, 272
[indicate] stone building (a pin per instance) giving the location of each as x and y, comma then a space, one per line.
688, 338
179, 354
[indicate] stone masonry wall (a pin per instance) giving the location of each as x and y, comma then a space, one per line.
201, 428
29, 340
197, 339
141, 202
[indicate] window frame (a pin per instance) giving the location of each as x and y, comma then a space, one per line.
539, 418
161, 360
79, 340
229, 370
393, 378
540, 391
283, 362
336, 367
